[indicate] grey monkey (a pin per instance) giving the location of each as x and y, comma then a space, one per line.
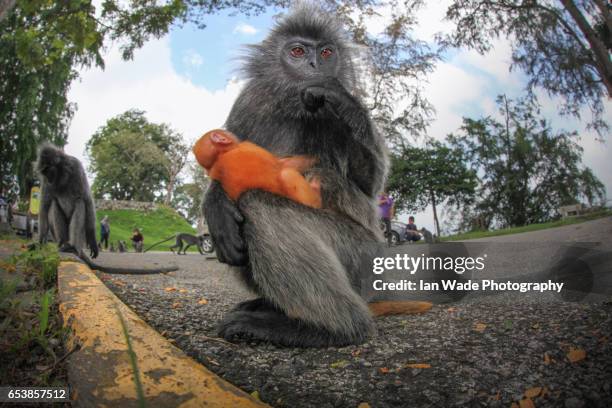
189, 241
66, 209
429, 238
300, 98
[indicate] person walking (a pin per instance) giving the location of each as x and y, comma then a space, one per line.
386, 209
104, 232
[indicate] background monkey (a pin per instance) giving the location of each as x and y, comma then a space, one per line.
188, 240
242, 166
67, 209
300, 99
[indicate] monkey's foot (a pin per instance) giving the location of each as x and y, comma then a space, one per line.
70, 249
253, 305
274, 327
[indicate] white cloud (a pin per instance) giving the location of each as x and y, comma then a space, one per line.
246, 29
467, 84
192, 59
149, 82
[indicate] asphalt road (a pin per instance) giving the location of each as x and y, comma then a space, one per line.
477, 350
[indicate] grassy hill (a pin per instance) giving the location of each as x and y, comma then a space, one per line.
533, 227
154, 225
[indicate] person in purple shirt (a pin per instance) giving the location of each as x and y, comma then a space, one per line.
386, 211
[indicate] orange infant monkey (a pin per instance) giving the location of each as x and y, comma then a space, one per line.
241, 166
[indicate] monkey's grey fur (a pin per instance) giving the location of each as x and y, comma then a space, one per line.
121, 246
303, 262
429, 238
66, 208
189, 241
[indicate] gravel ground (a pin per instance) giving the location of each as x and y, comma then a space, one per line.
486, 351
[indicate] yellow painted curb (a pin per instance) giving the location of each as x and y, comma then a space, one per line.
100, 373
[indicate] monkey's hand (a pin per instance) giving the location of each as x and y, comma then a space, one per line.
224, 221
93, 250
327, 92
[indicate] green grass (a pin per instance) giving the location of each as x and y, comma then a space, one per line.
532, 227
154, 225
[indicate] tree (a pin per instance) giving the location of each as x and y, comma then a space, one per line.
397, 66
133, 159
563, 46
526, 169
188, 197
175, 160
43, 42
434, 175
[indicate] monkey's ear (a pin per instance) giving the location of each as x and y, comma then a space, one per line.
220, 139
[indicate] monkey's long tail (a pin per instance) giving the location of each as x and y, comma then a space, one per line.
126, 271
160, 242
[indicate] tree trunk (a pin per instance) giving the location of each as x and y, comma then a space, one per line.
5, 8
435, 212
603, 64
169, 190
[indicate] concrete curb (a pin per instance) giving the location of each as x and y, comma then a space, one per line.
100, 373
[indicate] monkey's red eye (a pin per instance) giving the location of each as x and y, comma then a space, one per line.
298, 52
326, 53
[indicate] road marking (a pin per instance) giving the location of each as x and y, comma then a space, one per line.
100, 373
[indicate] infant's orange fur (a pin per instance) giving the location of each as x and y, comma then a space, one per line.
242, 166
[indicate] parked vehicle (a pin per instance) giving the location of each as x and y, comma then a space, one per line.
207, 243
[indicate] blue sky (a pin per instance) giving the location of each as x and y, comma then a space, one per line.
209, 57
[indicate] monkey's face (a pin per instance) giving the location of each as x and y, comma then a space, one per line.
50, 173
304, 58
208, 147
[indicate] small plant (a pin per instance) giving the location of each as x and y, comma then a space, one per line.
133, 362
43, 316
43, 262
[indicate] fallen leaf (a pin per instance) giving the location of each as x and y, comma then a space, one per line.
497, 396
451, 309
202, 302
356, 352
339, 364
480, 327
545, 392
183, 291
526, 403
418, 365
255, 394
547, 359
170, 289
383, 370
176, 305
576, 354
514, 405
363, 405
212, 361
533, 392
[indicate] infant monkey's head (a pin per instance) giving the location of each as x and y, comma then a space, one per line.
207, 148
